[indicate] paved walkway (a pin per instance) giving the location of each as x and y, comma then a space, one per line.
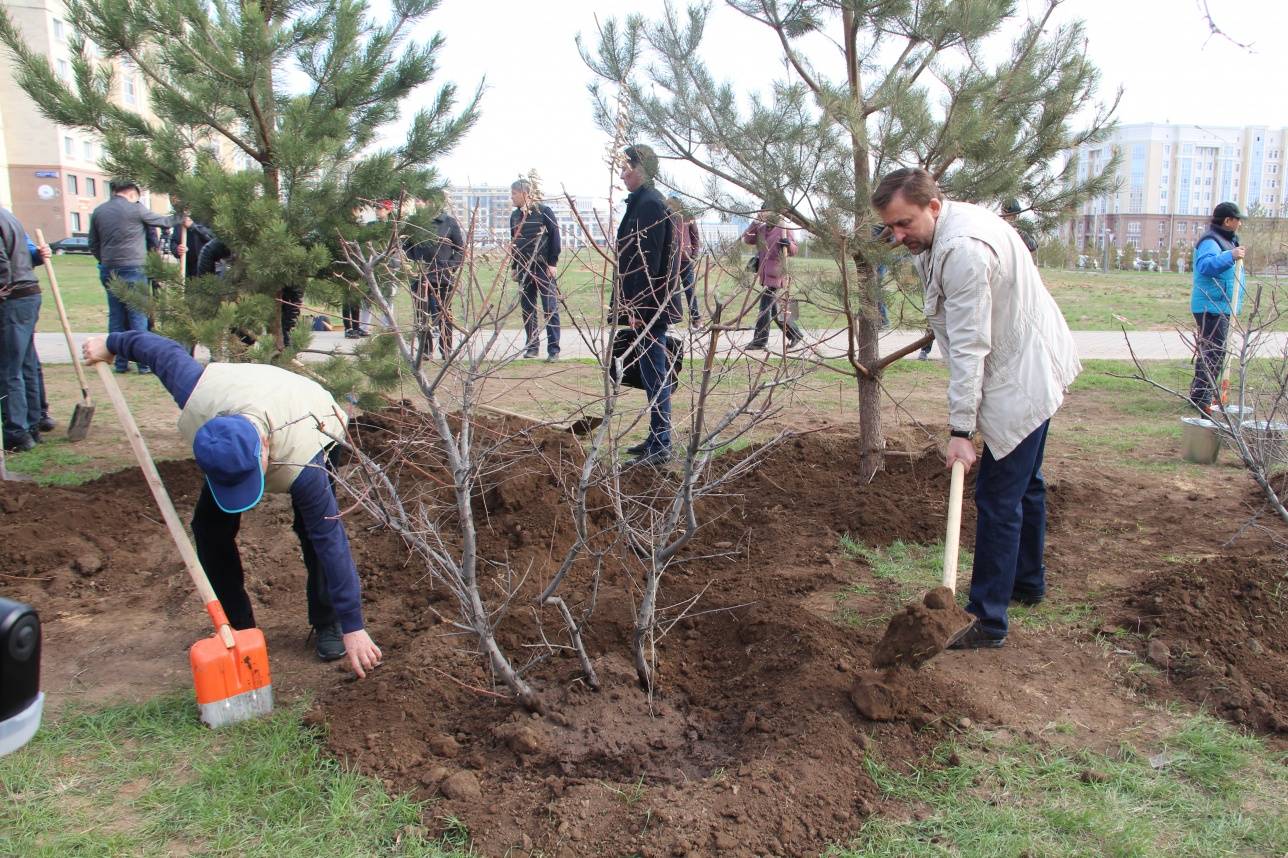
1111, 345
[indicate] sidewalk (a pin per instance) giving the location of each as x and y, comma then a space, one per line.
1106, 345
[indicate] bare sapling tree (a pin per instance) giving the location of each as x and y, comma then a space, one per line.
1250, 411
866, 87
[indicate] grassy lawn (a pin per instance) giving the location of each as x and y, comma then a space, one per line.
1091, 300
150, 780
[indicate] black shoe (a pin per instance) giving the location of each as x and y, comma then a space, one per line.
19, 445
552, 357
46, 424
145, 370
637, 449
976, 638
1029, 599
351, 334
757, 346
121, 370
529, 354
35, 436
330, 642
656, 459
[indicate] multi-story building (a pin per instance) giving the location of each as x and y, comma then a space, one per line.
488, 208
1170, 177
51, 177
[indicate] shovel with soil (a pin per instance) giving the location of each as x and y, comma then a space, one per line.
920, 631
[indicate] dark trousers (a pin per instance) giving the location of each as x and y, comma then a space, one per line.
769, 308
539, 288
690, 297
1213, 329
350, 311
1010, 535
215, 534
19, 370
436, 295
655, 373
120, 315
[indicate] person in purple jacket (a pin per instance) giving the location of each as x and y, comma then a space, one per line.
256, 428
774, 243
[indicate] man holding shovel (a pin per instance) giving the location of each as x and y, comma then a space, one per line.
1010, 358
256, 428
1213, 301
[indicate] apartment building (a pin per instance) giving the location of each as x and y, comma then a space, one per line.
50, 175
489, 208
1171, 176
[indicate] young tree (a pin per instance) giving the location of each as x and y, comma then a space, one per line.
297, 92
869, 86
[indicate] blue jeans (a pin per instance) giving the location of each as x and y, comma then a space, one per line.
543, 288
120, 315
1010, 535
655, 373
19, 370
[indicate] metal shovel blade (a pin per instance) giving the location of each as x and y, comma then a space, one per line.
82, 416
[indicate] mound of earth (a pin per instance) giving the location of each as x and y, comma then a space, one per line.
751, 742
1218, 632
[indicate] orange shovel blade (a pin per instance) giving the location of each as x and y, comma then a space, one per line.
232, 684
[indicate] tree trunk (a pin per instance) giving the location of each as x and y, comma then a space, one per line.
871, 440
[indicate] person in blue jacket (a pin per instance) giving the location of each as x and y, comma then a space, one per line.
1213, 300
257, 428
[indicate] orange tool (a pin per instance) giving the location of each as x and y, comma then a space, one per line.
229, 668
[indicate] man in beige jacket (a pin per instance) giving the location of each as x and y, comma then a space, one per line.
1010, 358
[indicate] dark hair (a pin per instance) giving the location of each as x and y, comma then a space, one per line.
115, 186
916, 185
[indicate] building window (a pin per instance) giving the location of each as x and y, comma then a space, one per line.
87, 149
72, 184
1182, 228
128, 92
1133, 228
69, 146
76, 222
64, 71
91, 187
60, 30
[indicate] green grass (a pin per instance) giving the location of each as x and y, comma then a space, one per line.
1218, 792
149, 780
903, 571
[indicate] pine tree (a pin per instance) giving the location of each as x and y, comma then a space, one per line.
300, 92
869, 86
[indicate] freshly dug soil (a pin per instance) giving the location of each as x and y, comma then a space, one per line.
753, 742
1216, 631
920, 631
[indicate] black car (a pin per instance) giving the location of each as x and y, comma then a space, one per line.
72, 244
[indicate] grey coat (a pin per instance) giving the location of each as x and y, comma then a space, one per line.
116, 232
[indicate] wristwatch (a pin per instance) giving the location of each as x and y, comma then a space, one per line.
968, 434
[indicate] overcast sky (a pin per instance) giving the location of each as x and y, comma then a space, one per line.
536, 112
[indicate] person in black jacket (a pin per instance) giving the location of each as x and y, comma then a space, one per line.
439, 252
534, 234
198, 236
648, 279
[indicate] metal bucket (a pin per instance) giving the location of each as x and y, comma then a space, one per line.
1200, 441
1237, 415
1268, 440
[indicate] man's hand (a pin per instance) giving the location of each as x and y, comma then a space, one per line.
181, 249
1238, 253
45, 252
553, 271
962, 449
362, 652
94, 350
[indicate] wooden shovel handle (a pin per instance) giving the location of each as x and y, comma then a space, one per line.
1224, 390
62, 317
952, 537
180, 536
183, 264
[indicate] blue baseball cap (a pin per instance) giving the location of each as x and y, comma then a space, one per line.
227, 449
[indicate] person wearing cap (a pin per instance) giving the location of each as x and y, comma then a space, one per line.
257, 428
118, 240
534, 260
1011, 214
1010, 359
648, 287
1212, 300
774, 243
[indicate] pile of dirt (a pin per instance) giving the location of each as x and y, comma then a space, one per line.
752, 741
1218, 632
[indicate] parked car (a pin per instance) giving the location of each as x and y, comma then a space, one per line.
71, 244
1145, 265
